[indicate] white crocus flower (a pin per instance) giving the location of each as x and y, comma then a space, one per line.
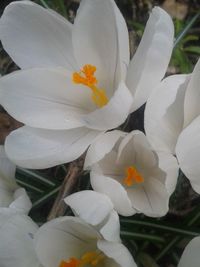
70, 242
172, 121
16, 235
76, 80
11, 195
63, 242
191, 255
130, 174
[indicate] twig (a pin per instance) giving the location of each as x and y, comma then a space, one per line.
70, 180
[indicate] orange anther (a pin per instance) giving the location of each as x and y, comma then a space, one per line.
87, 78
132, 176
72, 262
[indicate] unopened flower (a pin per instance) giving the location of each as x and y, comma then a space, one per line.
76, 80
172, 121
132, 175
11, 195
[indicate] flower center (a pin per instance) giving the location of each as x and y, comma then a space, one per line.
132, 176
87, 78
92, 258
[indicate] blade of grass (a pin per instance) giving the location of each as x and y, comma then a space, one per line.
186, 29
62, 6
134, 235
178, 230
28, 186
37, 176
44, 3
44, 198
175, 240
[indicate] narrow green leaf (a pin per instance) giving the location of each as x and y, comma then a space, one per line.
37, 176
193, 49
44, 3
136, 235
186, 29
29, 186
189, 38
190, 220
45, 197
161, 226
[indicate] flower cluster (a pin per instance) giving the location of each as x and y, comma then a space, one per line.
76, 86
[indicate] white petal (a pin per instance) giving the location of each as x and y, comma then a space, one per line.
16, 233
190, 256
188, 153
7, 168
63, 238
111, 229
118, 252
113, 114
95, 39
164, 113
36, 148
192, 97
151, 198
21, 201
135, 150
41, 38
168, 163
115, 191
151, 59
109, 166
90, 206
103, 145
45, 98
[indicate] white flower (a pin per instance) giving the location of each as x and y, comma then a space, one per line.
69, 241
11, 195
16, 235
130, 174
190, 255
172, 121
75, 79
63, 242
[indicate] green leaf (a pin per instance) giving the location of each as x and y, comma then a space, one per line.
181, 60
189, 38
136, 235
192, 49
43, 2
182, 34
179, 230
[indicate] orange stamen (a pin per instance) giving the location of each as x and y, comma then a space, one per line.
132, 176
87, 78
89, 258
72, 262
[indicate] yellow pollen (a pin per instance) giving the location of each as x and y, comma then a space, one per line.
92, 258
132, 176
87, 78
